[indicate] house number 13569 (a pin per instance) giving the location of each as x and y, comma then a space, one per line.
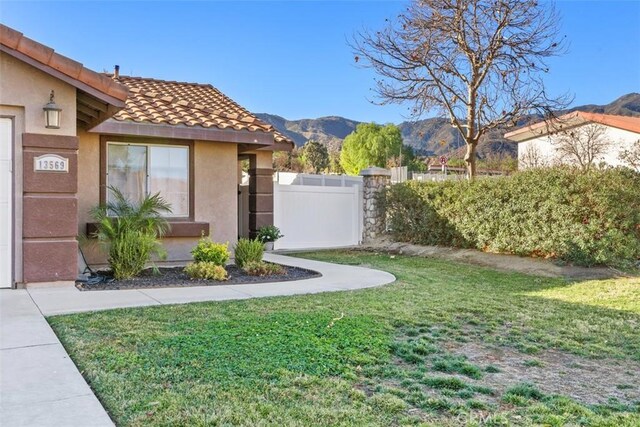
51, 163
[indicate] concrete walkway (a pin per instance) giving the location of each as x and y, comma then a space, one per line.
39, 384
63, 300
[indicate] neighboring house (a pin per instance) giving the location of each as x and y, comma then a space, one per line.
577, 137
184, 140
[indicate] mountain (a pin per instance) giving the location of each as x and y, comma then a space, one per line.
626, 105
433, 136
326, 130
430, 137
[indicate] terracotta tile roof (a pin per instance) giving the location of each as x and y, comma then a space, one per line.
575, 118
15, 43
629, 123
189, 104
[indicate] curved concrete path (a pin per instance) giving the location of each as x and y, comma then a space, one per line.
39, 384
335, 277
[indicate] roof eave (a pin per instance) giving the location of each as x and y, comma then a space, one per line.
105, 97
115, 127
544, 127
279, 146
573, 119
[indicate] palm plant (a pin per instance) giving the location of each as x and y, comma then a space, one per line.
130, 232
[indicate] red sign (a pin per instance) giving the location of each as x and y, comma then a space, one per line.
443, 160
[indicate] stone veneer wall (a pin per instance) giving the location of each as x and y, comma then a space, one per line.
374, 181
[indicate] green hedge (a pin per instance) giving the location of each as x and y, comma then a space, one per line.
583, 218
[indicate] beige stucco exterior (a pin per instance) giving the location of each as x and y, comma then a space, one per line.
263, 159
215, 195
24, 90
24, 86
89, 177
216, 192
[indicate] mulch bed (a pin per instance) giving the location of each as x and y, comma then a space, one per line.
174, 277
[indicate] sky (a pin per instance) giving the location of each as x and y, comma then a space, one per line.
292, 58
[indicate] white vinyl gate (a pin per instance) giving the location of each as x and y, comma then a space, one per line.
6, 197
314, 216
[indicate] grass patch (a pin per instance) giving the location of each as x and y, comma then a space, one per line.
277, 361
618, 294
413, 351
525, 391
624, 386
447, 383
457, 364
492, 369
533, 363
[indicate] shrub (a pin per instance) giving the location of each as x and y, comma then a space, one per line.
261, 268
247, 250
585, 218
269, 233
208, 251
206, 270
129, 232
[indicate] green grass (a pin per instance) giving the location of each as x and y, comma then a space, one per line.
533, 363
457, 364
615, 294
369, 357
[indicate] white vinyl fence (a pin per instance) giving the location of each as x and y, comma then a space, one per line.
293, 178
322, 211
437, 177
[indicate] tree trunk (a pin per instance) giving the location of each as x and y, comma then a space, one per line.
470, 160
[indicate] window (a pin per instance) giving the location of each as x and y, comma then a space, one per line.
141, 169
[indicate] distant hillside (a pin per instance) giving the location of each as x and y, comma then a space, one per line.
433, 136
626, 105
326, 130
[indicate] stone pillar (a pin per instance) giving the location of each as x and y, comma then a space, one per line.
374, 180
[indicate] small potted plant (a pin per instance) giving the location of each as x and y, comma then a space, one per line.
267, 235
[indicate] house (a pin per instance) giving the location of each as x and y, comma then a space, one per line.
578, 138
67, 133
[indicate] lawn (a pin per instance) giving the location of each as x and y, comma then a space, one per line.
446, 344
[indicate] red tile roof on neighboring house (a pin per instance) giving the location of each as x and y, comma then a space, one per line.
46, 59
573, 119
189, 104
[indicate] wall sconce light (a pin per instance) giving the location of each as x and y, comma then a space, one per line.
52, 113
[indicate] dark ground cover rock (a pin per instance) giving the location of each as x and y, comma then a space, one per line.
173, 277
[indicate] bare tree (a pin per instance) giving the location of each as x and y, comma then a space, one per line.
532, 158
583, 145
479, 62
631, 157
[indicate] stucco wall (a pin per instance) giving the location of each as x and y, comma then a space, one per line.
88, 177
24, 90
544, 147
263, 159
216, 191
215, 195
25, 86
